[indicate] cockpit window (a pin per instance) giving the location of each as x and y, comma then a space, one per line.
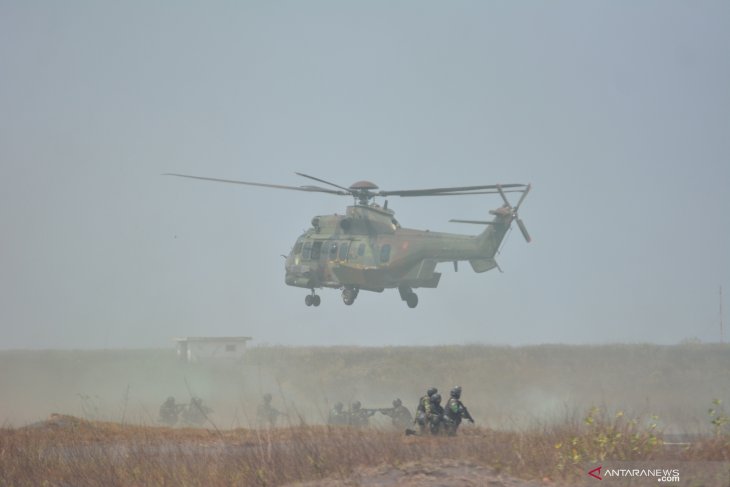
333, 250
361, 250
316, 250
385, 253
297, 248
307, 251
344, 247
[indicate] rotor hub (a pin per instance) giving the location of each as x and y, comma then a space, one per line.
363, 185
363, 191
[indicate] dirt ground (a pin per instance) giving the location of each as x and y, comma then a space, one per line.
447, 473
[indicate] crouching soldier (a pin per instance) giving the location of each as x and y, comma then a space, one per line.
169, 411
436, 416
266, 413
195, 414
455, 411
338, 416
423, 410
360, 416
399, 414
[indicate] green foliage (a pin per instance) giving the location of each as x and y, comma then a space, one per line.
604, 437
718, 417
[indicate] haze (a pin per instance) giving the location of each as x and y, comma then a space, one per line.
618, 113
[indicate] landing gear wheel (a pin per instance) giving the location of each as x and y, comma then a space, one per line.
348, 295
309, 299
316, 300
407, 295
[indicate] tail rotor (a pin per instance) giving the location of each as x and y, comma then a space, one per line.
514, 209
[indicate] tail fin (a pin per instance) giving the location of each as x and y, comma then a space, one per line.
489, 241
491, 238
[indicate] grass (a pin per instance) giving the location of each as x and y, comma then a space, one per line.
533, 407
71, 451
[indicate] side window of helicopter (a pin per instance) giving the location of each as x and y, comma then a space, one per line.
361, 249
333, 250
385, 253
344, 249
316, 250
307, 251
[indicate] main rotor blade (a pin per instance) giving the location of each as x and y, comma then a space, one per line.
323, 181
310, 189
451, 191
459, 194
504, 198
475, 222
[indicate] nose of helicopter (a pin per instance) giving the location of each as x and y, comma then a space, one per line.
298, 275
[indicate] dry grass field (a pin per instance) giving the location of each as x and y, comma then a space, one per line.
545, 415
70, 451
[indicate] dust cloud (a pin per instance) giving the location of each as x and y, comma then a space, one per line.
504, 387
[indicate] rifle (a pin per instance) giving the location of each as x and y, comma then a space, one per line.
369, 411
387, 411
466, 413
267, 411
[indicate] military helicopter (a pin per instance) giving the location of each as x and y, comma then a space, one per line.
366, 249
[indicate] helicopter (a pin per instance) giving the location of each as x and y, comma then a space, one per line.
366, 249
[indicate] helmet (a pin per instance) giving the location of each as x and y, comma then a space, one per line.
397, 402
456, 392
356, 405
338, 406
267, 397
431, 391
436, 398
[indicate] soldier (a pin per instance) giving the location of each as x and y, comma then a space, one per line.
337, 415
423, 410
169, 411
360, 416
455, 411
266, 413
436, 415
195, 413
399, 414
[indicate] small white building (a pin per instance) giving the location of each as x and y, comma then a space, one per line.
211, 349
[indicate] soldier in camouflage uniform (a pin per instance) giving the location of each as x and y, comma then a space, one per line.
436, 415
337, 415
399, 414
423, 410
359, 416
266, 413
195, 413
455, 411
169, 411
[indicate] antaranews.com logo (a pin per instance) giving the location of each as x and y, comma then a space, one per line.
657, 474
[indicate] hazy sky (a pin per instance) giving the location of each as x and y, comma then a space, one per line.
617, 112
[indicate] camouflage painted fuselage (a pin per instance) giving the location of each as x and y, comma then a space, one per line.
368, 249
